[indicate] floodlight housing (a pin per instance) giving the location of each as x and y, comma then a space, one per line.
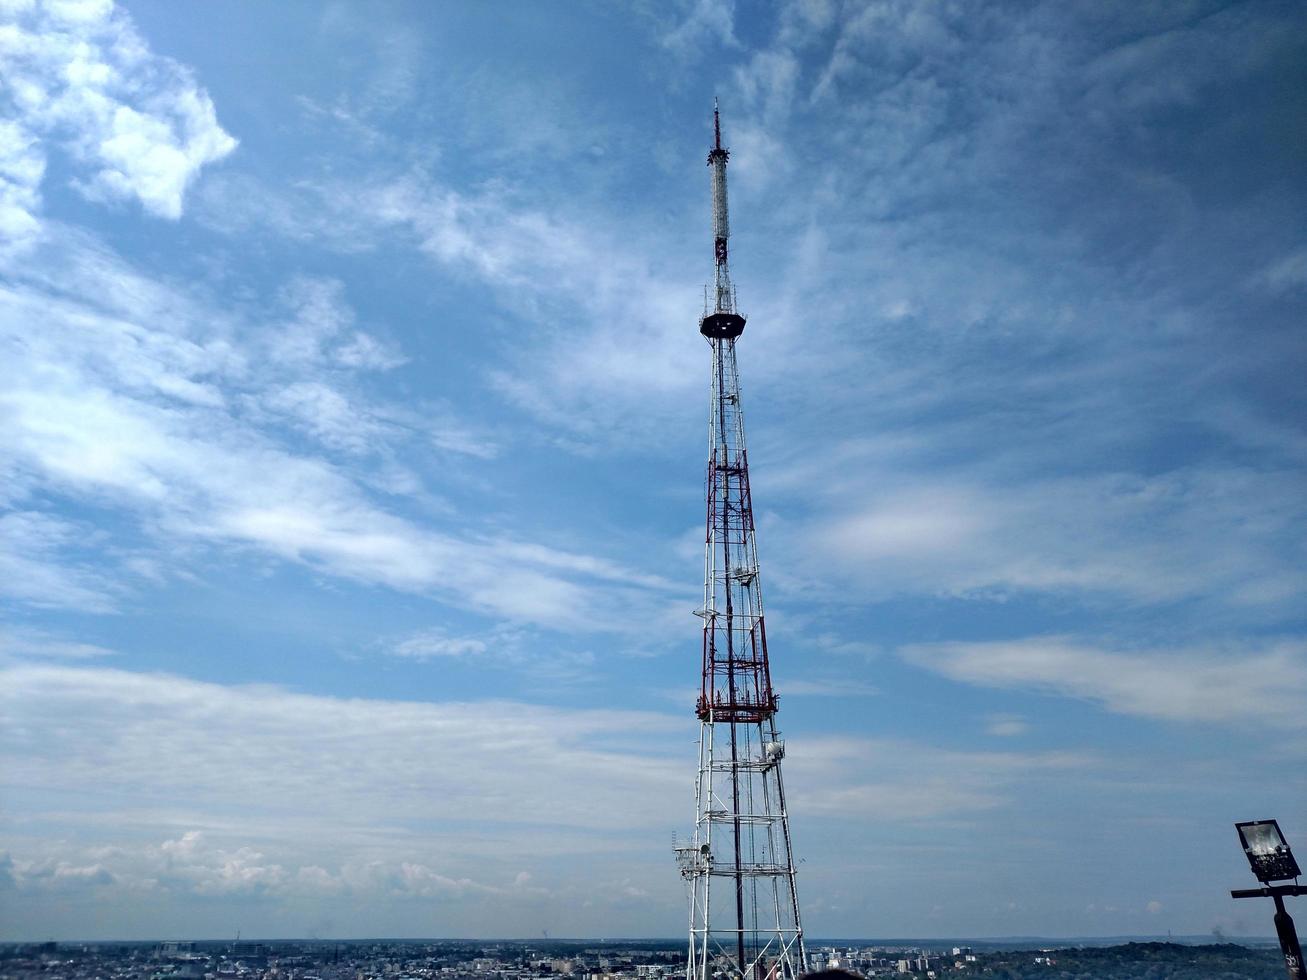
1268, 852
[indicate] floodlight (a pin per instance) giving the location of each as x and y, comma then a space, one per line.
1268, 852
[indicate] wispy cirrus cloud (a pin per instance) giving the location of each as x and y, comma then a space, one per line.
1247, 683
303, 800
22, 167
1144, 538
386, 751
567, 274
549, 267
145, 397
894, 780
43, 563
435, 643
1284, 274
375, 800
356, 798
29, 642
1006, 725
701, 24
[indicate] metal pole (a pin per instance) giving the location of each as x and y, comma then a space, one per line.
1288, 940
1284, 928
730, 649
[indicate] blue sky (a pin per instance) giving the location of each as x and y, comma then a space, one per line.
354, 416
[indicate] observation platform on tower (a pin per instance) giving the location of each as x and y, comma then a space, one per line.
741, 708
721, 326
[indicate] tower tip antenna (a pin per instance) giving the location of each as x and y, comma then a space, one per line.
716, 125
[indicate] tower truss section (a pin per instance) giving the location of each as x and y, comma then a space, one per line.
739, 863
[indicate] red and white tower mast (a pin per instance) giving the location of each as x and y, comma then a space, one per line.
739, 865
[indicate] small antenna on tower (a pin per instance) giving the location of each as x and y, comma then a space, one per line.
716, 124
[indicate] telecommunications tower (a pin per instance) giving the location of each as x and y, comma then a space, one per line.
739, 866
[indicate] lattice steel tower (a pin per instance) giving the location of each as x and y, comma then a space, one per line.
739, 866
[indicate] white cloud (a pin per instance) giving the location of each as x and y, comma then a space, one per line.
59, 876
256, 790
395, 62
897, 779
22, 167
571, 271
138, 395
502, 647
1257, 683
430, 643
1172, 63
78, 75
239, 204
330, 790
27, 642
1145, 539
321, 332
767, 84
552, 269
1006, 726
704, 23
37, 566
328, 415
1285, 274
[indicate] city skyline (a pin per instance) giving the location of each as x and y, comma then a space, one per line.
353, 409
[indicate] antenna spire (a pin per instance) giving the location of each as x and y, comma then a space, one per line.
720, 318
